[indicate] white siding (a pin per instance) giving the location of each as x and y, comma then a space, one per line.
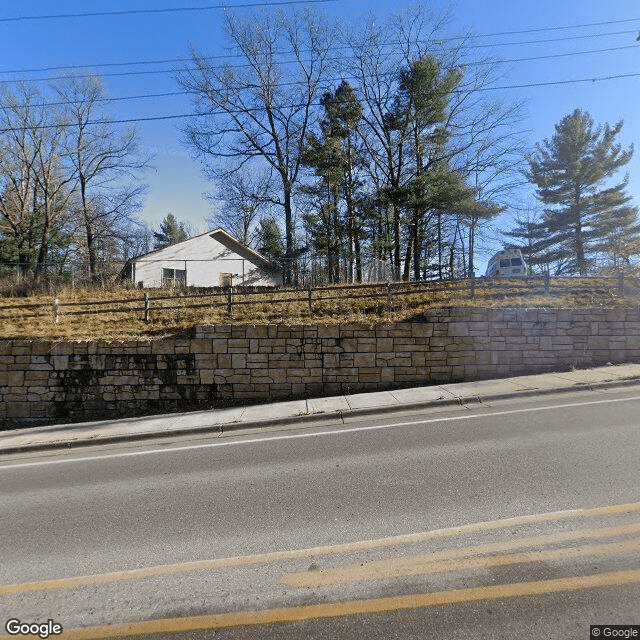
204, 258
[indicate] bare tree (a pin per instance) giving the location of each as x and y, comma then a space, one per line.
103, 159
18, 155
242, 196
37, 189
262, 108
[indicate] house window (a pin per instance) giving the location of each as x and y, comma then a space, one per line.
226, 280
174, 278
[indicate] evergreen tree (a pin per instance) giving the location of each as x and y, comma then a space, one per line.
539, 249
427, 185
171, 232
571, 171
618, 237
332, 156
271, 243
422, 102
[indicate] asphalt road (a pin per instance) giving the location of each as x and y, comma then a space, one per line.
476, 522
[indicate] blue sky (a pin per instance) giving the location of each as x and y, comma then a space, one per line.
527, 30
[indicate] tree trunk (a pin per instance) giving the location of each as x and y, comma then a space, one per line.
43, 253
358, 252
417, 253
396, 242
287, 274
439, 245
88, 227
472, 238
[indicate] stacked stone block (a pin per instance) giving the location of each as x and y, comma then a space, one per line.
225, 364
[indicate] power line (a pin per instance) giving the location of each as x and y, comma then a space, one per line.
562, 82
105, 64
210, 113
168, 71
221, 57
547, 40
164, 10
562, 55
573, 26
289, 2
90, 75
109, 99
286, 2
182, 93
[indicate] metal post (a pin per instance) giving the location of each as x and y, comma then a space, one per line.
473, 284
56, 310
147, 307
309, 292
389, 297
547, 281
229, 301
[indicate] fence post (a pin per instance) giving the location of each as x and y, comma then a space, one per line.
473, 285
547, 282
389, 297
147, 307
56, 310
309, 292
229, 301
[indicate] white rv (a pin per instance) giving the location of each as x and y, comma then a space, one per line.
508, 263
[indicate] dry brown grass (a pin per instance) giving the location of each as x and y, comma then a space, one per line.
118, 315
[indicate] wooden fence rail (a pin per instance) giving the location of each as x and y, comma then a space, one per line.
387, 294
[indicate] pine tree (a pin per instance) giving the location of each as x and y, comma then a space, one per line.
539, 249
270, 241
571, 172
619, 237
332, 156
171, 232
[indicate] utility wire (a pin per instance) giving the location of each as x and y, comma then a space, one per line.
573, 26
289, 2
168, 71
561, 82
221, 57
442, 40
182, 93
547, 40
293, 106
164, 10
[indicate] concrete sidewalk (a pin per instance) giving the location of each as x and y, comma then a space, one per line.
320, 409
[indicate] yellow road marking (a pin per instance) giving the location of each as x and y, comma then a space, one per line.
422, 565
277, 556
352, 571
355, 607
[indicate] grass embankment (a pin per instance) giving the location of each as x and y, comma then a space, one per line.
118, 314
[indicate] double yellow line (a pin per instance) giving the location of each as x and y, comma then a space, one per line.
278, 556
354, 607
449, 560
469, 558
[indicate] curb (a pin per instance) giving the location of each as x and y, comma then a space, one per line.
310, 418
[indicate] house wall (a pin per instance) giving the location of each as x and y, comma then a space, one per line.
44, 382
204, 259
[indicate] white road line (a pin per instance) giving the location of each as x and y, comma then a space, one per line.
316, 434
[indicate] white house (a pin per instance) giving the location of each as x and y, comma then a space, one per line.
213, 259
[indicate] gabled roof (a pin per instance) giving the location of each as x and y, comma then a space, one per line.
232, 243
222, 236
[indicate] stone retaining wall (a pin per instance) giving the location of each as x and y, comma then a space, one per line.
43, 382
